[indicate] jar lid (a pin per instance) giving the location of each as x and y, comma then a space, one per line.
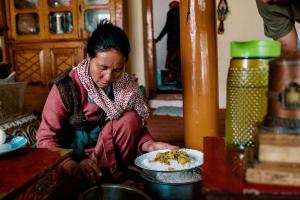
255, 48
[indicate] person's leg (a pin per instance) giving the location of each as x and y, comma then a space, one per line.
126, 133
289, 42
174, 66
177, 69
117, 143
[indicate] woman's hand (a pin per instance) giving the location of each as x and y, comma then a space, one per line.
153, 146
87, 170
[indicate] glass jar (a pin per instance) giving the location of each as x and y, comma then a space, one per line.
247, 85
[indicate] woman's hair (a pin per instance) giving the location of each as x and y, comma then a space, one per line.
106, 37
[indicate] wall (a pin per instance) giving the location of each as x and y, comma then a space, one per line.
242, 23
160, 9
136, 64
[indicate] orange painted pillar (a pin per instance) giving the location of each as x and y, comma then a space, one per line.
199, 70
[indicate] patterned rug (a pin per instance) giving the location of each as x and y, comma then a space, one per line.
169, 111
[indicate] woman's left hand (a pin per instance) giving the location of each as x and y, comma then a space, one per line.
153, 146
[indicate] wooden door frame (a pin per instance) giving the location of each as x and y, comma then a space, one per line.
151, 56
150, 48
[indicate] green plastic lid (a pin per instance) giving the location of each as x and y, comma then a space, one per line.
255, 48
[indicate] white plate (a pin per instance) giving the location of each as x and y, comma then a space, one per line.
14, 144
143, 161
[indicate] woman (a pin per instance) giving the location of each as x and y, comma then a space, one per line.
97, 110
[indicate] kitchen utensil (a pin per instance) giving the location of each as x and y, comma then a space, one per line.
58, 22
114, 192
12, 145
283, 115
174, 189
144, 161
190, 190
99, 188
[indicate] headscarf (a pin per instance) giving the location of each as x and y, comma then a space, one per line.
174, 4
127, 95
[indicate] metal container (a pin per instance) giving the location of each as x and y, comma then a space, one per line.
170, 191
247, 85
283, 113
115, 192
58, 22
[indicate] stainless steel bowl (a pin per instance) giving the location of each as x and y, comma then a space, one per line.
115, 192
170, 191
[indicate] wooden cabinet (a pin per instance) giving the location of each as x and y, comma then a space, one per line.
3, 28
46, 37
2, 18
38, 63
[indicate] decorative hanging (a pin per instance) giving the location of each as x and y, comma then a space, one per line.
222, 13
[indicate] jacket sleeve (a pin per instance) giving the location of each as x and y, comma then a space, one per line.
165, 29
144, 137
162, 33
53, 116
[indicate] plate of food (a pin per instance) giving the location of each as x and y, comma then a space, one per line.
13, 144
170, 160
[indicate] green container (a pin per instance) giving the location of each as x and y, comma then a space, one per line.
247, 84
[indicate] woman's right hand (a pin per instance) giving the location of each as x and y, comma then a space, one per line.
86, 170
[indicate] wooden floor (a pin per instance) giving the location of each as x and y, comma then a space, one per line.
166, 129
171, 129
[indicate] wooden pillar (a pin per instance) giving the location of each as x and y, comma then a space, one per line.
199, 69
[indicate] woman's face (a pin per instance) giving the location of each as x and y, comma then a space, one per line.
107, 67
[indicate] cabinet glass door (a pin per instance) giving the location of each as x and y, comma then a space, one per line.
96, 1
95, 10
61, 19
93, 17
60, 22
27, 24
24, 4
26, 19
59, 3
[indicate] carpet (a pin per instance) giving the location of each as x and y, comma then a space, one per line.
169, 111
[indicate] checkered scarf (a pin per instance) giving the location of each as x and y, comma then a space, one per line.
127, 95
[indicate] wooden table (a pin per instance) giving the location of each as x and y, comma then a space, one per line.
223, 176
29, 173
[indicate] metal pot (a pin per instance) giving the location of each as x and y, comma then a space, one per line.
284, 95
57, 22
114, 192
170, 191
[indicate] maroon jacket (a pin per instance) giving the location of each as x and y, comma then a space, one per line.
55, 115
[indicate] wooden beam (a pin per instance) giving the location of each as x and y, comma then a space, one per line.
199, 69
